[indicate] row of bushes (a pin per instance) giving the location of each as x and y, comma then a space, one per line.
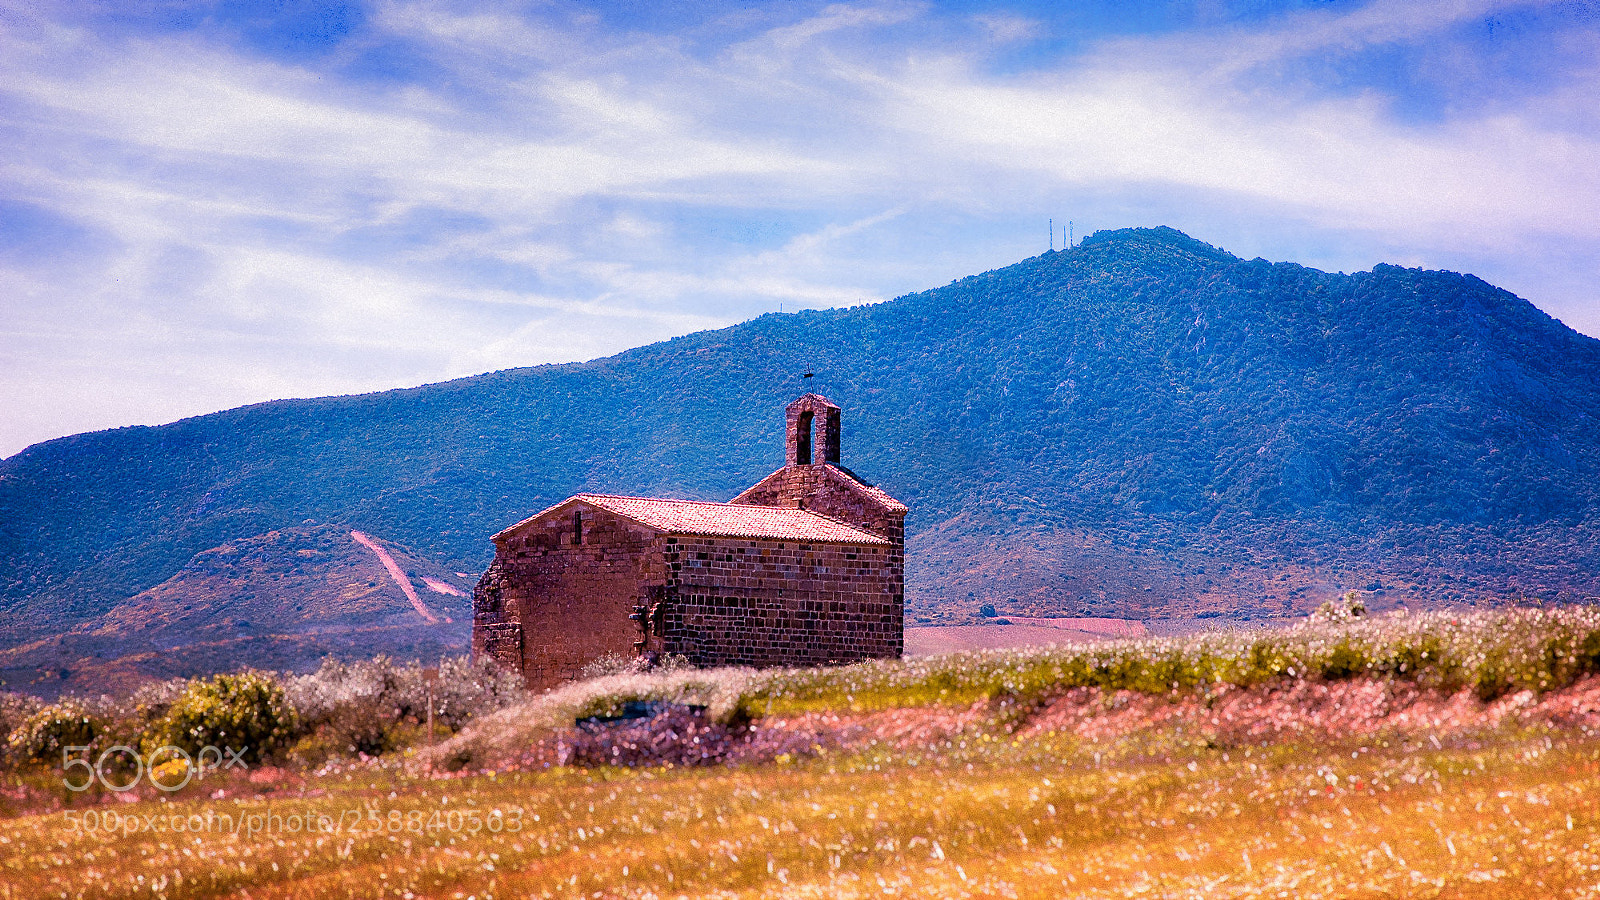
376, 706
1492, 653
372, 706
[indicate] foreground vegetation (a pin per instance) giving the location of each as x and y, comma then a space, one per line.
1506, 815
363, 708
962, 777
1492, 654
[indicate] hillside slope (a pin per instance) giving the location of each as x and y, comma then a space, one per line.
280, 600
1140, 426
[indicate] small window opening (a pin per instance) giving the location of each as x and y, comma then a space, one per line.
803, 451
577, 527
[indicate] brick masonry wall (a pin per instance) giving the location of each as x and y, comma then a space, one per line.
781, 603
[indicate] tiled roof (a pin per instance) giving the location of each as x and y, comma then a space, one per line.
726, 520
701, 517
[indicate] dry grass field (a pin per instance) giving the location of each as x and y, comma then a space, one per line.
878, 784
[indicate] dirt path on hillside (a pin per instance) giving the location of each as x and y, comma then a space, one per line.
397, 574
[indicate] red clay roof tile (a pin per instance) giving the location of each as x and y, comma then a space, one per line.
727, 520
724, 519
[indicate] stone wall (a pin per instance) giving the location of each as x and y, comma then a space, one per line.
577, 582
580, 581
827, 490
564, 603
781, 603
549, 606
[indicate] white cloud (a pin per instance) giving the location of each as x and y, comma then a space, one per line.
564, 191
1145, 114
1236, 50
837, 17
1007, 29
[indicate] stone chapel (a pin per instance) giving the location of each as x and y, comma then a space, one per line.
805, 568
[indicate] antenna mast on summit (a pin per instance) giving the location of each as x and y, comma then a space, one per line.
1069, 234
1052, 234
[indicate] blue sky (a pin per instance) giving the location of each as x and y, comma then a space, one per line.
206, 205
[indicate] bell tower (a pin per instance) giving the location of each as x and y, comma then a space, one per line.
813, 423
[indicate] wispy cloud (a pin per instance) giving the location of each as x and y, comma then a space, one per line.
196, 222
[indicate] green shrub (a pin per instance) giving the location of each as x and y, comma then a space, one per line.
1412, 654
356, 707
377, 705
1492, 681
466, 688
246, 713
1587, 657
14, 710
151, 702
1345, 660
1264, 661
44, 736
